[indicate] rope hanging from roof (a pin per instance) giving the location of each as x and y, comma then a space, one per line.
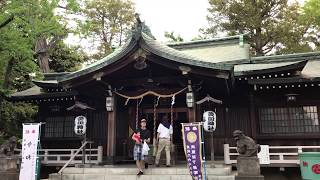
150, 93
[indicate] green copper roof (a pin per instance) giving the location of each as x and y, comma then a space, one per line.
178, 56
206, 42
286, 57
149, 44
242, 69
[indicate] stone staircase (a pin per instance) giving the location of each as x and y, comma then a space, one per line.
128, 172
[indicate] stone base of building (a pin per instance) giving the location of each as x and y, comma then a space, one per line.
249, 177
9, 175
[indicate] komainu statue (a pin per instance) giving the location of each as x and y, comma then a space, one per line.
246, 146
7, 148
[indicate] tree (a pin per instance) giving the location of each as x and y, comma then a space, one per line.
39, 23
23, 24
66, 59
172, 37
271, 25
107, 21
311, 14
312, 11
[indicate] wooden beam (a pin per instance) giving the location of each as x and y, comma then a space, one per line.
180, 80
194, 70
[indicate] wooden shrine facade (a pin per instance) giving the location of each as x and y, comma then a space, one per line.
274, 99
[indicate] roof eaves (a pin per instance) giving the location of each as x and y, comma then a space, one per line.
46, 83
285, 67
286, 57
111, 58
298, 79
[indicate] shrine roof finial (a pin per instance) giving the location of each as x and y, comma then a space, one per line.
140, 27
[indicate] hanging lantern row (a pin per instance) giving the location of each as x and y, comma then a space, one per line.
259, 87
51, 100
58, 90
265, 76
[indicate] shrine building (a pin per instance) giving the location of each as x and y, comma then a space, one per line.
274, 99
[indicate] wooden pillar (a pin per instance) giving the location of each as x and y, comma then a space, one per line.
111, 135
192, 114
253, 119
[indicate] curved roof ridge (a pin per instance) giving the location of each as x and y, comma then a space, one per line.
114, 56
170, 53
211, 40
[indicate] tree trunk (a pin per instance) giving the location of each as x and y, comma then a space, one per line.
8, 73
258, 42
42, 54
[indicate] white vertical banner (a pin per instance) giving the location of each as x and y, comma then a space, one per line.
30, 139
264, 155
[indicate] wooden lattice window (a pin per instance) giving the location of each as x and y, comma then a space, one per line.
59, 126
283, 120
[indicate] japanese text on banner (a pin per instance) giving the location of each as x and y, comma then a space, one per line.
193, 151
30, 139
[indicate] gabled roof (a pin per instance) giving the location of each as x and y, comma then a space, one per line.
140, 40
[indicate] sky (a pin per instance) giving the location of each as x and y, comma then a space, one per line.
184, 17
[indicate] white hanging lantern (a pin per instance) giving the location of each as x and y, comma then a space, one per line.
80, 125
209, 121
189, 99
109, 103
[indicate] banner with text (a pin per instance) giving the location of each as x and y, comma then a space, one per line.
192, 147
29, 154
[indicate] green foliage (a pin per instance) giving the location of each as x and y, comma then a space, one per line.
66, 59
107, 21
312, 12
172, 37
271, 25
12, 117
23, 24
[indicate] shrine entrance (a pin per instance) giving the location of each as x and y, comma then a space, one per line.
152, 108
179, 115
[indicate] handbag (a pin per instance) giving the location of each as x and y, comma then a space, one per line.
145, 149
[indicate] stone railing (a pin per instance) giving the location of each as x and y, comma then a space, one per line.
57, 157
280, 156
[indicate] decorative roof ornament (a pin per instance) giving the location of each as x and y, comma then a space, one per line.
140, 27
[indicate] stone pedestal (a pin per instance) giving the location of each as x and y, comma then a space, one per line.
8, 168
248, 168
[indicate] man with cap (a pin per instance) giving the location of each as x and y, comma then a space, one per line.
137, 151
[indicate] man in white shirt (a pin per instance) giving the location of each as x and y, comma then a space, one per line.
164, 138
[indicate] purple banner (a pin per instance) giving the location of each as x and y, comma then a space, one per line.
193, 149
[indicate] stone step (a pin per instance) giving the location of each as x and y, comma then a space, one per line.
221, 171
131, 177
